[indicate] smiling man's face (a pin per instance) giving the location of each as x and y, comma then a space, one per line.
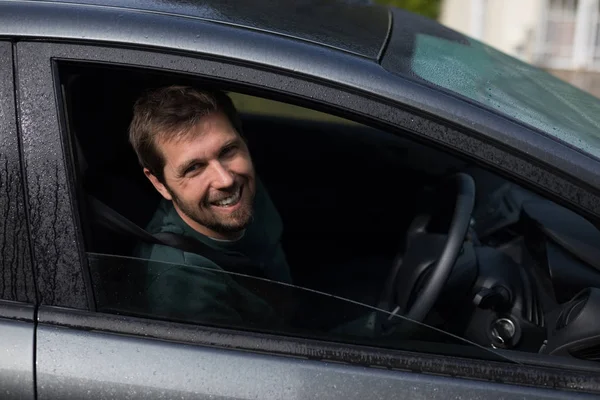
210, 178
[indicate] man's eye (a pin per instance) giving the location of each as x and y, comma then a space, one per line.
229, 151
192, 168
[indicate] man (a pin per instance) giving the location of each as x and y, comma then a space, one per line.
190, 147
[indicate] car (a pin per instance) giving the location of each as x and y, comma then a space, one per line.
438, 191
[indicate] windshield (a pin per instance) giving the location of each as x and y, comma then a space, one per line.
464, 66
137, 287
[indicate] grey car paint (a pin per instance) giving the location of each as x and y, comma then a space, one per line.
17, 337
16, 274
75, 364
55, 256
16, 362
337, 24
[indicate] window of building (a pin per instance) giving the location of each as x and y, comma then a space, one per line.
559, 35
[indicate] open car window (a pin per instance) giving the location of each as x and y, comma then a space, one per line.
213, 297
348, 195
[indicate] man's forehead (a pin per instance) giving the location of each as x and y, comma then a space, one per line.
214, 123
202, 141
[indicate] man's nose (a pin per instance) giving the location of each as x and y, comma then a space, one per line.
222, 177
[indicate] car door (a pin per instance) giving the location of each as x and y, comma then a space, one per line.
92, 345
17, 293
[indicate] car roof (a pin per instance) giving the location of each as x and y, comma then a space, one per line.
350, 26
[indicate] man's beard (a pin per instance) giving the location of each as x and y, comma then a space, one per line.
236, 222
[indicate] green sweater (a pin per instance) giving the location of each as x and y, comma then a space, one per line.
186, 286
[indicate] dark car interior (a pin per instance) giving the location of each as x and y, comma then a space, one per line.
528, 274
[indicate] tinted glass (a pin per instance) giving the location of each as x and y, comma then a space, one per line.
191, 294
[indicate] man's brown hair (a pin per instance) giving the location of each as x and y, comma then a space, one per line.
169, 113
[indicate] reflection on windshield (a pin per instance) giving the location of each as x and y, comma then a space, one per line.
511, 87
191, 294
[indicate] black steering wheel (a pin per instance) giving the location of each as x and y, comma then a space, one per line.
428, 257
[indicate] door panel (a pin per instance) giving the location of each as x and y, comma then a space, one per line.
16, 273
76, 364
51, 218
16, 351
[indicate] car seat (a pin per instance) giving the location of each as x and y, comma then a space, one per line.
107, 165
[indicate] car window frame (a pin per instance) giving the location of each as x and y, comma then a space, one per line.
41, 105
39, 60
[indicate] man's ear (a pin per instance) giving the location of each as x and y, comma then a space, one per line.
162, 189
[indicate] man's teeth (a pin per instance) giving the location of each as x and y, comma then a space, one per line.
229, 200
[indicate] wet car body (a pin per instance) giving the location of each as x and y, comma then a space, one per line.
363, 61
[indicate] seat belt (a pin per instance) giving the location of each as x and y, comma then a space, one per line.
231, 262
112, 220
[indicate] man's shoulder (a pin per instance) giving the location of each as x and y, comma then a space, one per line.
166, 220
163, 219
158, 253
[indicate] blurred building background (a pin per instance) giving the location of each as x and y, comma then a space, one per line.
562, 36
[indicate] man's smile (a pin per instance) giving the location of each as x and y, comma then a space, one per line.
230, 200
